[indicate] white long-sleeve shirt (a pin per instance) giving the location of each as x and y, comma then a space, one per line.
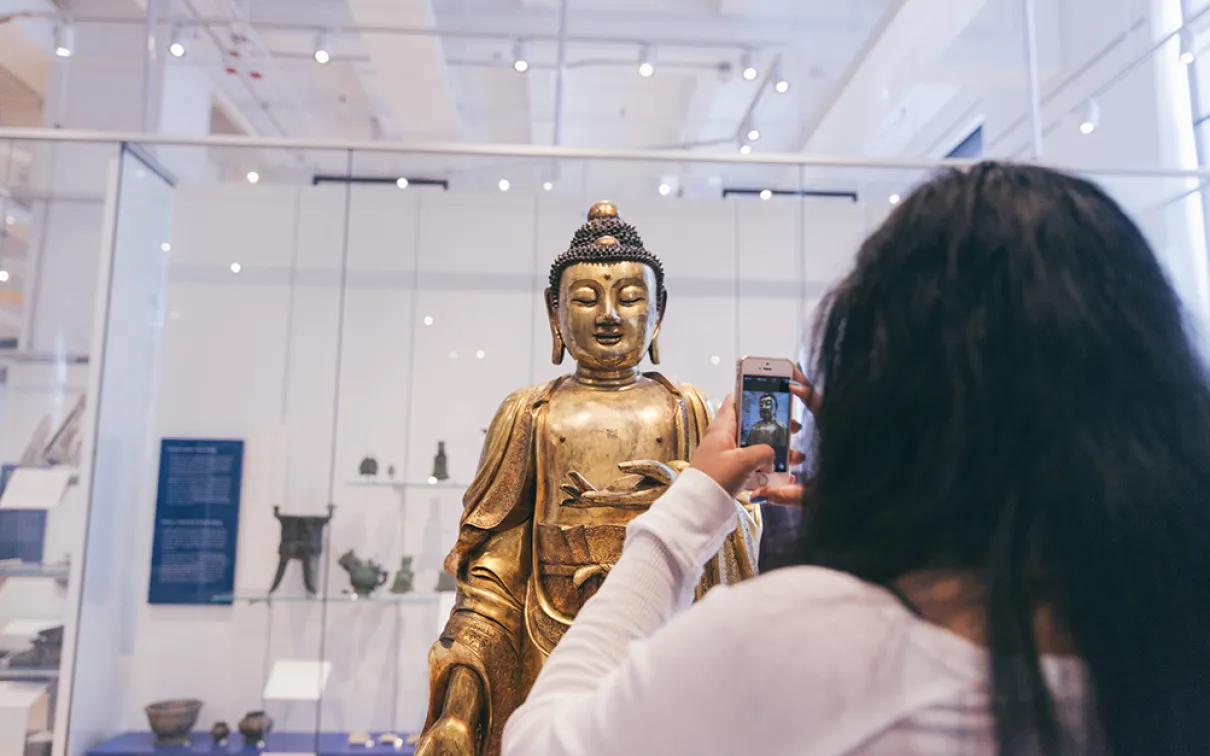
803, 660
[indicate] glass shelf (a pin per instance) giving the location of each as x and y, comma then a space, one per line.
379, 483
422, 599
34, 569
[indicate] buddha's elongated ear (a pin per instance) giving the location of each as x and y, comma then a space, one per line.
653, 350
556, 336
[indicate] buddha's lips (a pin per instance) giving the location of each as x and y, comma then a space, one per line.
608, 338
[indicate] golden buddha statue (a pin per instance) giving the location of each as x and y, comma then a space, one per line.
565, 466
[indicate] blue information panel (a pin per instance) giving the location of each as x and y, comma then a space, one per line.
196, 521
22, 531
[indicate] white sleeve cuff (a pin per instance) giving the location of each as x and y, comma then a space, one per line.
692, 519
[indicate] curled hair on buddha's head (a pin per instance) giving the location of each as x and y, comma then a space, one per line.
606, 238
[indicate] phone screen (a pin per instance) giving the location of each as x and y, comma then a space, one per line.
765, 416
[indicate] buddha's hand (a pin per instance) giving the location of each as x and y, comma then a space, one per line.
643, 482
447, 737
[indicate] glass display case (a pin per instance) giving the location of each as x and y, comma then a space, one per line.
289, 384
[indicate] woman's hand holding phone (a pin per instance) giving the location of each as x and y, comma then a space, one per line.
721, 458
791, 495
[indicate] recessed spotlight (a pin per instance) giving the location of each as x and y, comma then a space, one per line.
745, 149
432, 482
714, 360
1188, 47
753, 135
428, 319
323, 47
665, 190
236, 267
401, 182
252, 177
548, 185
781, 86
766, 194
504, 185
480, 354
9, 220
453, 355
165, 247
3, 276
893, 199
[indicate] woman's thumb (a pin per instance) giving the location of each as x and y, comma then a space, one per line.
755, 456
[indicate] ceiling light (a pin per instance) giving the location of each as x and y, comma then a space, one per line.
748, 66
548, 185
745, 149
753, 135
453, 355
714, 360
504, 185
665, 190
323, 47
165, 247
781, 84
1188, 47
766, 194
1091, 117
176, 43
480, 354
65, 39
252, 177
893, 199
236, 267
646, 61
401, 182
9, 220
520, 59
428, 319
432, 482
3, 276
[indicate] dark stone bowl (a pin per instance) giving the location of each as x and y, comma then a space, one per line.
172, 720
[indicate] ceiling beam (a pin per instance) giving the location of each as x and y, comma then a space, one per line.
412, 70
912, 36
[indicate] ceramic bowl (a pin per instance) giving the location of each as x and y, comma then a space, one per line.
172, 720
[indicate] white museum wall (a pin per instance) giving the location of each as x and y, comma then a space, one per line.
259, 355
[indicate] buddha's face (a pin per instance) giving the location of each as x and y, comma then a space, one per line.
608, 313
766, 407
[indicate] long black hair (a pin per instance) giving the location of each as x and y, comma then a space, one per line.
1010, 390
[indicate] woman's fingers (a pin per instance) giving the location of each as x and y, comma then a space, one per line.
805, 391
797, 457
789, 496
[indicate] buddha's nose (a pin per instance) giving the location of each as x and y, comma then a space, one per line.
609, 315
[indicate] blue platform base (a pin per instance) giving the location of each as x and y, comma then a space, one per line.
322, 744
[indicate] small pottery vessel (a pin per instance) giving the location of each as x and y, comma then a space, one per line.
403, 578
254, 727
441, 470
364, 576
219, 733
359, 738
390, 739
172, 720
368, 467
446, 582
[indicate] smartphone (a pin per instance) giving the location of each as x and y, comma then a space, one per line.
762, 392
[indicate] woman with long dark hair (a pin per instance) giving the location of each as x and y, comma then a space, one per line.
1007, 541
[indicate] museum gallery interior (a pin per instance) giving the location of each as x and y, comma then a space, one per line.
341, 339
